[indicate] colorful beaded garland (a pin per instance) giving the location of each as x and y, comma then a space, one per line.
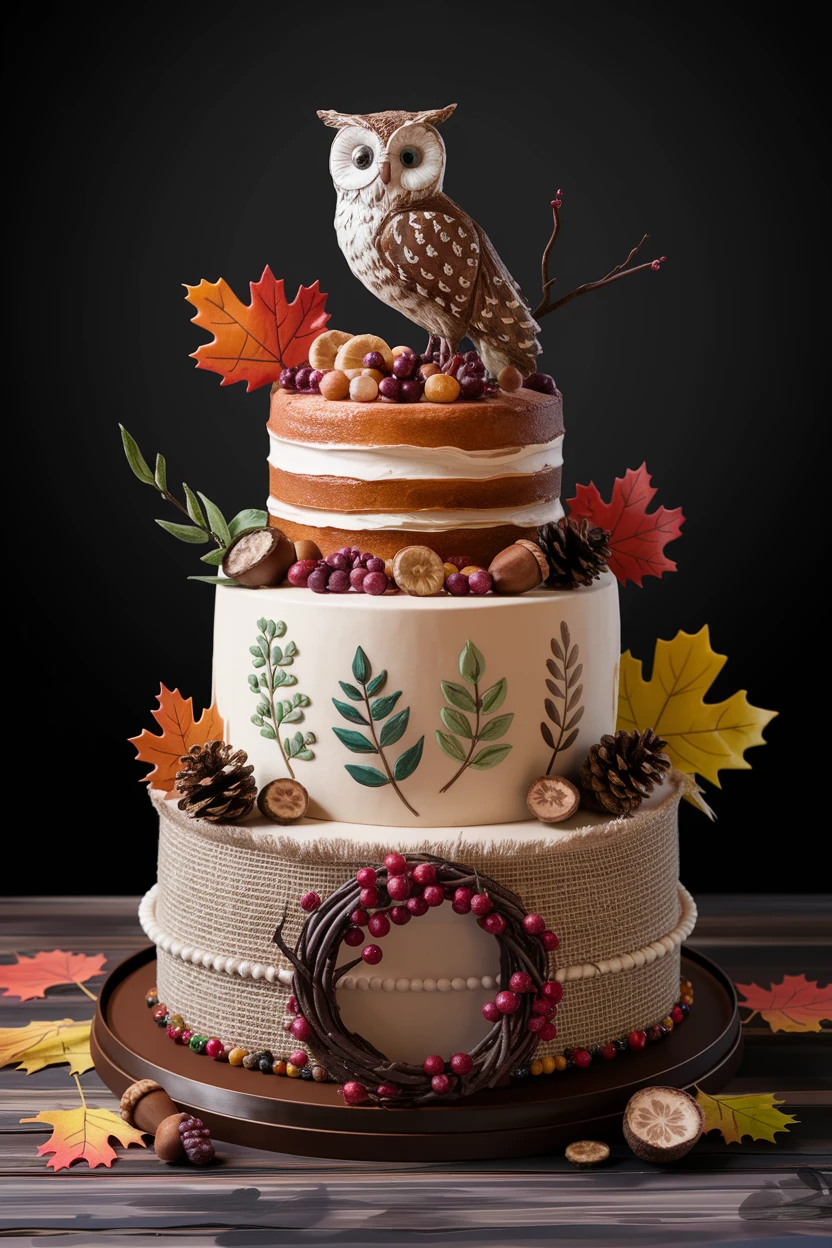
296, 1065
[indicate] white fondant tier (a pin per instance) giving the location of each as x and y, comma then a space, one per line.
608, 888
525, 642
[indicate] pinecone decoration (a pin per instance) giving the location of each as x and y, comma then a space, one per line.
622, 770
576, 554
215, 783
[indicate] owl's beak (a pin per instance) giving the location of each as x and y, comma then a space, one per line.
384, 171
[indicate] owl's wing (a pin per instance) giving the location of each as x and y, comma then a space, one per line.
434, 254
501, 322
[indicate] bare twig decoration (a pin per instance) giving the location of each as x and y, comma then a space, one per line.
620, 270
348, 1056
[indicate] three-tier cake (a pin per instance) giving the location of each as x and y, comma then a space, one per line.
461, 869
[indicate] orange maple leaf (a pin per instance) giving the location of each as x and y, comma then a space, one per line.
175, 716
637, 537
82, 1134
30, 977
254, 343
795, 1004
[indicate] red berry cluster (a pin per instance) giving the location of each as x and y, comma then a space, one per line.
546, 998
468, 579
542, 383
345, 569
412, 890
469, 370
196, 1140
303, 379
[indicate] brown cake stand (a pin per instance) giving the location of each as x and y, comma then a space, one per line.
298, 1116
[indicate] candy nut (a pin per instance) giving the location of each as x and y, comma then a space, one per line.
259, 558
519, 568
304, 549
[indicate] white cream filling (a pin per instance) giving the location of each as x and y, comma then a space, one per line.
421, 521
413, 463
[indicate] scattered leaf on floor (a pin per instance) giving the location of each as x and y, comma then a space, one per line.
41, 1044
737, 1116
30, 976
795, 1004
82, 1134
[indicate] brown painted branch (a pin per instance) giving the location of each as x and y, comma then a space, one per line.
621, 270
546, 281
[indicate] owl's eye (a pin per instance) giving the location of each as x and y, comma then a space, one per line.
363, 157
410, 157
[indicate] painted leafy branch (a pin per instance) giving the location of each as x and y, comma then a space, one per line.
374, 710
461, 740
206, 523
273, 712
563, 684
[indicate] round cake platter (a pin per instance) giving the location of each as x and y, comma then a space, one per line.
534, 1115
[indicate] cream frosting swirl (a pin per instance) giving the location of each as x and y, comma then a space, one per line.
421, 463
440, 521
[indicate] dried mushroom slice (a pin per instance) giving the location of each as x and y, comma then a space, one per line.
283, 801
662, 1124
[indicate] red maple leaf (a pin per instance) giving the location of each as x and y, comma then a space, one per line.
795, 1004
180, 730
254, 343
30, 977
637, 537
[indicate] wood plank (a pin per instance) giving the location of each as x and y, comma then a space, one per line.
719, 1194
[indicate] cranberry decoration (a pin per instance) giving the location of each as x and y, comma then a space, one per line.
637, 1040
319, 961
534, 924
310, 902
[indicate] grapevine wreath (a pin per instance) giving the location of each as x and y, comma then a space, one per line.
395, 892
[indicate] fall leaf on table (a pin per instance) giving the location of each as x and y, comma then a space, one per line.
795, 1004
637, 537
43, 1044
702, 737
30, 976
175, 716
736, 1116
82, 1134
254, 343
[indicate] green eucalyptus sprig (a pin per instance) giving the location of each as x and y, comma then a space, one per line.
462, 738
271, 660
207, 523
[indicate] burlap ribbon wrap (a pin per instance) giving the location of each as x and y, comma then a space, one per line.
611, 893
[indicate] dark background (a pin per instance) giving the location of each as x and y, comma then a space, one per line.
182, 143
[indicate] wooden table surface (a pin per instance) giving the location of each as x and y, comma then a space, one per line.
718, 1194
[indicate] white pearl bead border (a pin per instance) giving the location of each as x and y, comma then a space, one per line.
644, 956
202, 957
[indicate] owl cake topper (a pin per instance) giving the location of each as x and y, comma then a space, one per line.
422, 254
417, 250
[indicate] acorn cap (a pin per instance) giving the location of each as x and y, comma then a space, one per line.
259, 558
662, 1124
145, 1104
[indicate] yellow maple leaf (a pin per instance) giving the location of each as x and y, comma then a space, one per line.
736, 1116
702, 737
82, 1134
43, 1044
